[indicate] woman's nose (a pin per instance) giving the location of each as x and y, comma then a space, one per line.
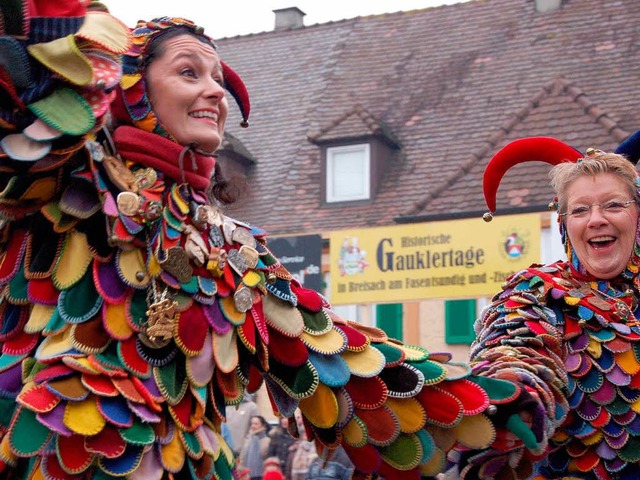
214, 89
597, 215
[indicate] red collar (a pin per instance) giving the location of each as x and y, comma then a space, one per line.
165, 156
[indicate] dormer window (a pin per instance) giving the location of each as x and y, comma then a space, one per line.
348, 173
355, 151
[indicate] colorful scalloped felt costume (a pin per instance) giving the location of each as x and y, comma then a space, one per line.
574, 342
133, 311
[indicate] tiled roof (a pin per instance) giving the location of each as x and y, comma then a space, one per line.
451, 85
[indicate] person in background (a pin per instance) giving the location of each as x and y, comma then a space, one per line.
338, 467
272, 469
255, 447
281, 442
302, 453
567, 334
238, 419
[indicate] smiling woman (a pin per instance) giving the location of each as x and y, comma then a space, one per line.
566, 331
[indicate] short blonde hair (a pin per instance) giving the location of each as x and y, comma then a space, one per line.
564, 174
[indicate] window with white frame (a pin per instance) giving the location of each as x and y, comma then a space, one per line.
348, 173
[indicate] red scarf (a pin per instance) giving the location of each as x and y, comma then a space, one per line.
164, 155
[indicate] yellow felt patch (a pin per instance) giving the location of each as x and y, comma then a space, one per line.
63, 56
251, 278
593, 439
5, 451
413, 353
330, 343
410, 413
321, 408
83, 417
102, 28
55, 345
130, 265
230, 312
594, 348
366, 363
573, 301
355, 433
225, 351
475, 432
128, 81
173, 454
434, 465
80, 364
73, 262
39, 317
154, 267
628, 362
115, 320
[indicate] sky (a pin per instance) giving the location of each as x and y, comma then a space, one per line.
241, 17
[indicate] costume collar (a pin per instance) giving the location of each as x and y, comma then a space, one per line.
182, 164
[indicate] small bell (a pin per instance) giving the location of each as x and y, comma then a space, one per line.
487, 216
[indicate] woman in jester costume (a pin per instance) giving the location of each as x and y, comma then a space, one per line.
133, 311
569, 331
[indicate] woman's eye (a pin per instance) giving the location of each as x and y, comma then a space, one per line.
188, 72
577, 211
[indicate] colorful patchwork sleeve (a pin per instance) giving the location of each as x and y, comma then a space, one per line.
519, 340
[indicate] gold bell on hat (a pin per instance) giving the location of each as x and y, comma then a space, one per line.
487, 216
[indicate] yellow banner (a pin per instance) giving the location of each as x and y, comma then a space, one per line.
456, 258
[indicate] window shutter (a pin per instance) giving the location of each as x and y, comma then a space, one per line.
389, 319
459, 318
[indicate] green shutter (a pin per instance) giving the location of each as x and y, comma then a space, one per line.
459, 316
389, 319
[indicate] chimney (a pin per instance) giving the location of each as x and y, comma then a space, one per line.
289, 18
544, 6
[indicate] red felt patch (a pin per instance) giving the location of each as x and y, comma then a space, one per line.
42, 291
121, 232
100, 385
587, 461
128, 390
257, 312
474, 399
52, 372
228, 384
308, 299
54, 471
288, 351
20, 344
12, 258
38, 399
382, 424
107, 443
191, 330
355, 340
255, 379
181, 412
366, 459
367, 393
602, 419
151, 401
72, 455
224, 290
247, 333
131, 358
441, 407
536, 328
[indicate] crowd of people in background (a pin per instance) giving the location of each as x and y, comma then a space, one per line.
269, 452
